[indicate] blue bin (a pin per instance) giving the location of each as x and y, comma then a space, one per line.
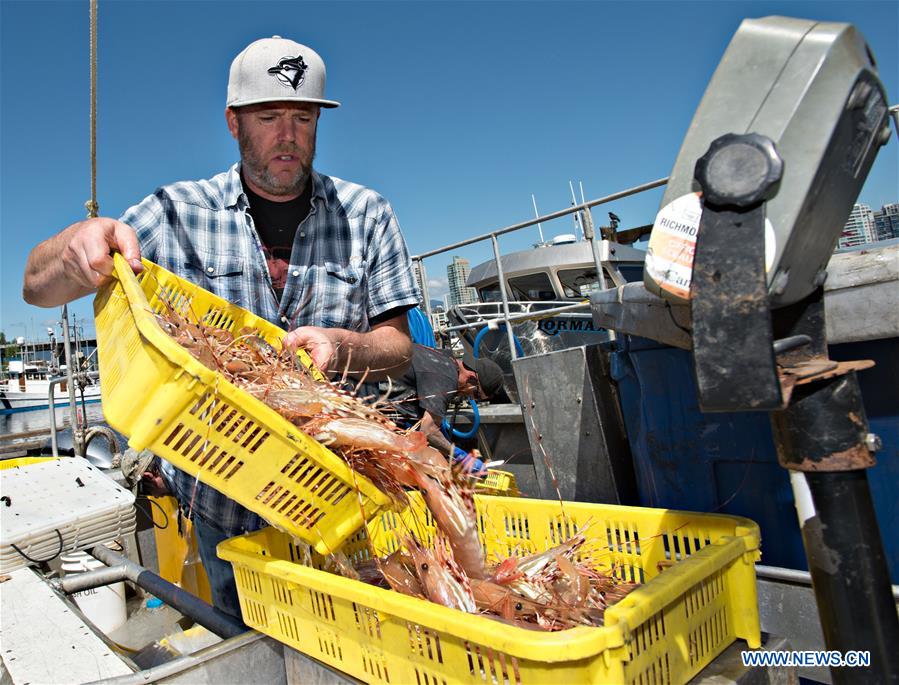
727, 463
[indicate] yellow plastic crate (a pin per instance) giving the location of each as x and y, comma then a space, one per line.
166, 401
17, 462
500, 483
663, 632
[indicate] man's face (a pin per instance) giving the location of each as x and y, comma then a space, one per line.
277, 146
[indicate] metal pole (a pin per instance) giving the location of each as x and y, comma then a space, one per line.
578, 217
502, 289
791, 575
590, 235
425, 295
894, 110
54, 447
90, 579
849, 574
177, 666
822, 438
547, 217
588, 213
73, 406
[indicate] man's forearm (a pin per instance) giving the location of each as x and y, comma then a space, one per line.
74, 262
438, 441
46, 283
430, 426
381, 352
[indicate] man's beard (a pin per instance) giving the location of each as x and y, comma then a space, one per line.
254, 166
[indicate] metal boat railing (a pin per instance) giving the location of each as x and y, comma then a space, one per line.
601, 257
81, 435
531, 313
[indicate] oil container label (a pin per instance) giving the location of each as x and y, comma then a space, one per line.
669, 257
672, 244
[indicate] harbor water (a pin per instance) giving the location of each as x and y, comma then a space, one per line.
39, 419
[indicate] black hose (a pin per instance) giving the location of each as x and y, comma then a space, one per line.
149, 514
209, 617
42, 561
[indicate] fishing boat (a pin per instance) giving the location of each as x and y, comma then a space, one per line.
39, 371
27, 387
547, 287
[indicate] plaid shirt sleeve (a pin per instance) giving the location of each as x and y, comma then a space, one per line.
146, 218
390, 280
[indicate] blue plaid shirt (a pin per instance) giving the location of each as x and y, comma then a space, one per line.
349, 264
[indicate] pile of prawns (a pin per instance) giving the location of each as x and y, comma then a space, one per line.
550, 590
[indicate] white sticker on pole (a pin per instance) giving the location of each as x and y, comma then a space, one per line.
672, 244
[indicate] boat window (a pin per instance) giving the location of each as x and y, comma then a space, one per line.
490, 293
532, 287
578, 282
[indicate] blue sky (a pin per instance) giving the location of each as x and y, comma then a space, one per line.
456, 112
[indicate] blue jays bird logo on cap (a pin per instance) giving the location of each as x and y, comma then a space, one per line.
290, 71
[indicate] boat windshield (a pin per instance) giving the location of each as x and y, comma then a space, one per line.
536, 287
582, 282
578, 282
490, 293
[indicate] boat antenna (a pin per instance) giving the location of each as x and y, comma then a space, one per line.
537, 216
578, 222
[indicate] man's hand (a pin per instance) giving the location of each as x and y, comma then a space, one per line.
77, 261
87, 255
320, 343
153, 484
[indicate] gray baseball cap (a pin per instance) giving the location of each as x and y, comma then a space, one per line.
276, 69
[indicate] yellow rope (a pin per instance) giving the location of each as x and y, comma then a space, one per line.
93, 209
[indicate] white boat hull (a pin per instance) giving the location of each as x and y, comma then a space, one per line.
14, 399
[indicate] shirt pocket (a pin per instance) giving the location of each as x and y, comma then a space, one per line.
221, 274
343, 303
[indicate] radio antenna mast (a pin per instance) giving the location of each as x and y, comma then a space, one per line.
537, 216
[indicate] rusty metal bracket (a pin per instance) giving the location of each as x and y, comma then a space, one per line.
824, 428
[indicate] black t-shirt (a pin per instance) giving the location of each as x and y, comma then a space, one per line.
430, 384
277, 224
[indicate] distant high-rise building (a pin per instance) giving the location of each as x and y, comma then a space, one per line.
421, 281
438, 319
457, 274
859, 228
886, 222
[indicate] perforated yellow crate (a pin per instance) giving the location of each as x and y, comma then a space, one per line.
500, 483
663, 632
156, 393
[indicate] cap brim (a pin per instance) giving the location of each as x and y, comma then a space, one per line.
330, 104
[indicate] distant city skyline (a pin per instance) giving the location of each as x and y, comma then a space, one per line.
866, 225
886, 221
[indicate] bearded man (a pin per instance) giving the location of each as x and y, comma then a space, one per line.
319, 256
